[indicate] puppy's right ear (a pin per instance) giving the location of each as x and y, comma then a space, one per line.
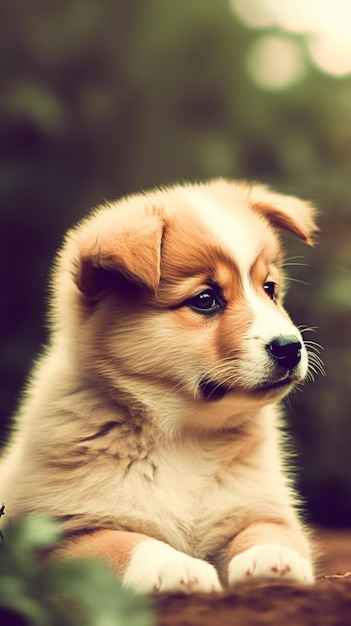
111, 245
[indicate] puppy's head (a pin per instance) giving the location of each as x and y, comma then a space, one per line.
180, 290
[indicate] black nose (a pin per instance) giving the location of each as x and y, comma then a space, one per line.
285, 350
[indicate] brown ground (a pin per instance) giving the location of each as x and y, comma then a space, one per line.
327, 603
335, 548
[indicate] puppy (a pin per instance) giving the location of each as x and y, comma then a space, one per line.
149, 426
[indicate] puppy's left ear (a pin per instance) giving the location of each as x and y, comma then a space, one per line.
111, 246
287, 212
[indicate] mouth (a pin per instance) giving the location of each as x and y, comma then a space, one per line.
213, 391
270, 388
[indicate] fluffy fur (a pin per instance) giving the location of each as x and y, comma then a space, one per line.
149, 426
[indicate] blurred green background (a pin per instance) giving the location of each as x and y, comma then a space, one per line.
103, 97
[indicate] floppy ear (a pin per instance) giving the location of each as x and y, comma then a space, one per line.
287, 212
110, 247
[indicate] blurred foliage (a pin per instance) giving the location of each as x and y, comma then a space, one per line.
102, 97
71, 593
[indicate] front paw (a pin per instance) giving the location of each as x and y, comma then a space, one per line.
157, 567
270, 561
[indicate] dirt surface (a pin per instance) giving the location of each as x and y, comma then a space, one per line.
334, 551
326, 603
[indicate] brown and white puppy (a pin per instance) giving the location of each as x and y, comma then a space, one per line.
149, 426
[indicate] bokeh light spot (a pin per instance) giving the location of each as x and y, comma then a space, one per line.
252, 13
331, 53
275, 62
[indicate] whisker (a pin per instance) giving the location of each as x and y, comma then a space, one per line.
314, 346
221, 372
295, 264
287, 401
315, 365
299, 386
296, 280
313, 351
178, 387
318, 368
311, 375
305, 329
288, 259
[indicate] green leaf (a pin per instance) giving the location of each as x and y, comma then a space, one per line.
69, 593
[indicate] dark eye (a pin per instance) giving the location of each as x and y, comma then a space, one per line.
206, 302
270, 289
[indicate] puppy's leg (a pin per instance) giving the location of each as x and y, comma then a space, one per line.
145, 564
270, 550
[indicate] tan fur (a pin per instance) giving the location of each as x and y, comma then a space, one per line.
263, 531
116, 436
112, 546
